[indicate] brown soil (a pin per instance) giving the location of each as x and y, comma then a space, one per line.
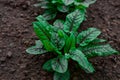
16, 34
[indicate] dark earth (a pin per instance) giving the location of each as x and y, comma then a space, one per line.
16, 34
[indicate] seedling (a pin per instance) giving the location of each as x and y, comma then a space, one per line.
52, 7
63, 40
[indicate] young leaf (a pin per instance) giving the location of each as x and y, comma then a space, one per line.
98, 50
43, 4
41, 31
62, 34
70, 43
97, 41
62, 76
60, 64
40, 18
85, 3
37, 49
68, 2
58, 24
47, 66
79, 57
49, 14
45, 24
56, 1
73, 20
57, 41
87, 36
67, 56
48, 45
63, 8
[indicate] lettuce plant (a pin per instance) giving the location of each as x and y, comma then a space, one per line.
65, 6
63, 40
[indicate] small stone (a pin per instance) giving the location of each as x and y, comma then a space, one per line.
118, 16
23, 66
0, 50
28, 3
75, 78
11, 45
32, 78
24, 7
2, 65
12, 70
118, 76
43, 78
2, 59
21, 15
43, 72
9, 54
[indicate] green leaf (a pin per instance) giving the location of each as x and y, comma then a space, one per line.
44, 30
73, 20
85, 3
97, 41
79, 0
43, 4
62, 76
58, 24
63, 8
40, 18
98, 50
37, 49
68, 2
70, 43
62, 34
67, 56
44, 23
57, 41
87, 36
41, 31
47, 66
79, 57
56, 1
60, 64
49, 46
49, 14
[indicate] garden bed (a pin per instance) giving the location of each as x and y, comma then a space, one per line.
16, 34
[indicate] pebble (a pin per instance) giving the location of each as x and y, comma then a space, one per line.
2, 65
24, 7
21, 15
2, 59
75, 78
43, 73
32, 78
118, 76
11, 44
12, 70
43, 78
0, 50
23, 66
118, 16
9, 54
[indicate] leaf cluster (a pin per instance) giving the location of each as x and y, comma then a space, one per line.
52, 7
63, 40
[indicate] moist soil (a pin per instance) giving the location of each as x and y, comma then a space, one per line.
16, 34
